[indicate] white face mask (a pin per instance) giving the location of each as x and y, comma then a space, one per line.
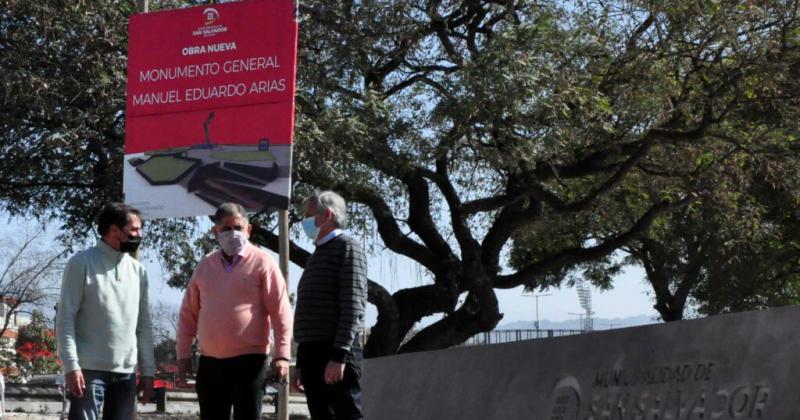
232, 242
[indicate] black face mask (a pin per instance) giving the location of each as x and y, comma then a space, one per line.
131, 246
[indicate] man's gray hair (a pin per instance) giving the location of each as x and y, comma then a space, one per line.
229, 209
329, 200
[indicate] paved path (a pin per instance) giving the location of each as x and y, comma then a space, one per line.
182, 407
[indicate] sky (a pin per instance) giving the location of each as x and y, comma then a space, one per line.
628, 298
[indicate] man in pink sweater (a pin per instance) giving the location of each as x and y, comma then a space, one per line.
236, 295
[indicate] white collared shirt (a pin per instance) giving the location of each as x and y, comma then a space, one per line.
327, 238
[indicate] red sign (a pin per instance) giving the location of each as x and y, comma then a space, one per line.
213, 85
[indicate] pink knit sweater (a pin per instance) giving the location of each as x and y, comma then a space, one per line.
231, 312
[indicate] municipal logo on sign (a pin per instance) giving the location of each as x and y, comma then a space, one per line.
211, 15
209, 29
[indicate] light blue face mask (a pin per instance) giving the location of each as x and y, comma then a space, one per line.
310, 228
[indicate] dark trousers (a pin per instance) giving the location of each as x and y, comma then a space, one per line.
339, 401
236, 382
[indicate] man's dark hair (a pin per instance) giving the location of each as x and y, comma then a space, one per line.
229, 209
116, 214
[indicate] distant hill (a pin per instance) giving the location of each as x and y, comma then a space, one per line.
573, 324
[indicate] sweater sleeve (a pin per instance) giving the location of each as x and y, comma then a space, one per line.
69, 303
275, 298
144, 329
352, 300
187, 319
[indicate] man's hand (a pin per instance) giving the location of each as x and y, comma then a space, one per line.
75, 384
146, 385
184, 368
297, 382
280, 368
334, 372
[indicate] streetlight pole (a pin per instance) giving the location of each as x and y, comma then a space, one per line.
536, 324
143, 6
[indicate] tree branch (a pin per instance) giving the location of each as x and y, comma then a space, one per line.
578, 254
480, 312
508, 220
384, 335
614, 180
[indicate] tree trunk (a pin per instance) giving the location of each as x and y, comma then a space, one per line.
479, 313
383, 335
669, 311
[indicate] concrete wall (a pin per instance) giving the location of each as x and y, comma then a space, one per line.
740, 366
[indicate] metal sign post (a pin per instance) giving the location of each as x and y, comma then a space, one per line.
283, 257
143, 5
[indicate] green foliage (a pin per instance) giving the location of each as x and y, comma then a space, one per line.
729, 250
754, 266
61, 103
36, 347
62, 107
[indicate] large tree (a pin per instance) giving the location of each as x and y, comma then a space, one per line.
449, 126
737, 250
485, 118
734, 249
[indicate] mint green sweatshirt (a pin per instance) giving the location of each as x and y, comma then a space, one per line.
103, 320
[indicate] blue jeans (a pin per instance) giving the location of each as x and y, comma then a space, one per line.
115, 392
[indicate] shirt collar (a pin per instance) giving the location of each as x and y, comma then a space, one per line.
108, 251
327, 238
228, 266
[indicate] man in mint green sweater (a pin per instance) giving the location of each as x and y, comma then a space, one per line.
103, 323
